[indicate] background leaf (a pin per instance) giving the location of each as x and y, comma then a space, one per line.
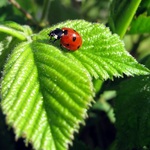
5, 42
122, 13
16, 30
3, 3
11, 34
140, 25
133, 113
144, 8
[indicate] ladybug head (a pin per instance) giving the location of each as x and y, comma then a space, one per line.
57, 33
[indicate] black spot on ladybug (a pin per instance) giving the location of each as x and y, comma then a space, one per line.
67, 44
78, 47
74, 38
65, 32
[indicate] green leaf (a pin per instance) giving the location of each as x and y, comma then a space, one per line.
140, 25
146, 61
144, 7
16, 30
46, 91
5, 42
133, 113
103, 105
10, 38
3, 3
102, 53
45, 99
122, 13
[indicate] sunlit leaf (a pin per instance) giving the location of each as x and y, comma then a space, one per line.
46, 90
102, 53
45, 95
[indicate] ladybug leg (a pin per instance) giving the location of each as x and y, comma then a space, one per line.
54, 40
51, 40
61, 46
50, 37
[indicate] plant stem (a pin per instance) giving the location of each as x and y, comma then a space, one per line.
125, 17
45, 11
13, 32
17, 5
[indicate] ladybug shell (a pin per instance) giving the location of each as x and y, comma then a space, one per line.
71, 39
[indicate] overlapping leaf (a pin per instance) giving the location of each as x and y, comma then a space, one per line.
11, 34
16, 30
140, 25
102, 53
133, 114
46, 91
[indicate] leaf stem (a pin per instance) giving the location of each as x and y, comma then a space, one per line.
17, 34
27, 15
124, 19
45, 12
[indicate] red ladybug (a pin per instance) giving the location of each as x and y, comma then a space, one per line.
69, 38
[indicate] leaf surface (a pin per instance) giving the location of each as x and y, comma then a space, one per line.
102, 53
133, 113
44, 99
46, 90
140, 25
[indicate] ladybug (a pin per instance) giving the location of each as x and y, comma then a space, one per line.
69, 38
